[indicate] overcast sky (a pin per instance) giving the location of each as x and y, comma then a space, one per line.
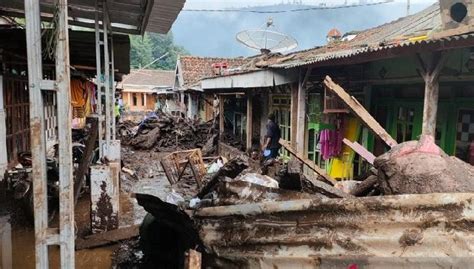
245, 3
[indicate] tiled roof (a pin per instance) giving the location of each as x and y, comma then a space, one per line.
194, 68
416, 29
148, 78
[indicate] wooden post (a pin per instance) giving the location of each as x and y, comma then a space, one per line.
87, 157
430, 71
249, 122
294, 114
37, 133
3, 134
192, 259
66, 180
301, 114
221, 115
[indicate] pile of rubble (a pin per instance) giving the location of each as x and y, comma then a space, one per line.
168, 133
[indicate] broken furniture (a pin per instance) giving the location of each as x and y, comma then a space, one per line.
176, 164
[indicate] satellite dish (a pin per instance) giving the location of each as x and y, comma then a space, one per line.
267, 39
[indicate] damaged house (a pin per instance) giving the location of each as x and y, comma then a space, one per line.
385, 68
189, 71
343, 109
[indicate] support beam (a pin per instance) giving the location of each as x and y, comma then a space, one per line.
3, 133
112, 87
249, 122
294, 113
66, 182
301, 114
360, 112
98, 58
265, 108
430, 71
308, 162
38, 141
87, 157
221, 115
108, 123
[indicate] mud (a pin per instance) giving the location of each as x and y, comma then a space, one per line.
410, 238
422, 167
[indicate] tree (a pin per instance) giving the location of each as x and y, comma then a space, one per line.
146, 48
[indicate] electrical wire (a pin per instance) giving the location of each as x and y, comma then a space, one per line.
308, 8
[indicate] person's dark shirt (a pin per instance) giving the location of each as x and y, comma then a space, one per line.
274, 133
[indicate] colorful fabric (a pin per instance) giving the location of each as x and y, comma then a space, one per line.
331, 143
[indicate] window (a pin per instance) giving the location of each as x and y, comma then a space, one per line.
134, 99
405, 121
143, 99
281, 106
465, 135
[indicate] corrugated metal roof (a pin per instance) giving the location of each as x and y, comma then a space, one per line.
408, 31
126, 16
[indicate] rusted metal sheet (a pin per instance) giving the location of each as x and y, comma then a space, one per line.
405, 230
105, 197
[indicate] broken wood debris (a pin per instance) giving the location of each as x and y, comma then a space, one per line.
359, 149
307, 162
360, 112
164, 132
107, 238
176, 163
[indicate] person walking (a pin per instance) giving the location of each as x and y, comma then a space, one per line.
271, 143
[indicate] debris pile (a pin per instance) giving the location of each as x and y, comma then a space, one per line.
422, 167
168, 133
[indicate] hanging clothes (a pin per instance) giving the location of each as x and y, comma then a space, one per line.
331, 143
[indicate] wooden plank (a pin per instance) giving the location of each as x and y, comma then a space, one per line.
87, 157
360, 112
359, 149
307, 162
301, 118
107, 238
193, 259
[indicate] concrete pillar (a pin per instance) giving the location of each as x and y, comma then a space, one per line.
3, 133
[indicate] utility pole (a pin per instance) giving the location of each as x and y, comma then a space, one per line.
408, 7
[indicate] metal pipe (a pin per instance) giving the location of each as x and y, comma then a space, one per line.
98, 59
63, 95
38, 141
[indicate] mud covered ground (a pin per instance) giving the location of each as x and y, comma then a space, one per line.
149, 178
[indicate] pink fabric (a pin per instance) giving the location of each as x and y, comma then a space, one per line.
331, 143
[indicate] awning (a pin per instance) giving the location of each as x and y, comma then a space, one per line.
255, 79
126, 16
